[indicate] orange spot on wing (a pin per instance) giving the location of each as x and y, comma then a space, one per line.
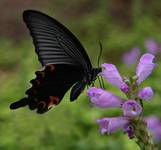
50, 67
53, 100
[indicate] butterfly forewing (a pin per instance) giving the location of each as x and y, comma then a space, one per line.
54, 43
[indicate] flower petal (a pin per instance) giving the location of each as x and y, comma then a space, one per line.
110, 125
131, 108
145, 67
152, 122
132, 56
146, 93
104, 99
154, 125
151, 46
112, 75
124, 88
129, 130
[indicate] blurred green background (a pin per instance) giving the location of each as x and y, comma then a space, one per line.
118, 24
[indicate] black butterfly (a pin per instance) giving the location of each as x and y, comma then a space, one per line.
65, 63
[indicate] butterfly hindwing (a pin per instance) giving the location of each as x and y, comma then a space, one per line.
49, 87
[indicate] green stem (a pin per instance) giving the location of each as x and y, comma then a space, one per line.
143, 136
133, 89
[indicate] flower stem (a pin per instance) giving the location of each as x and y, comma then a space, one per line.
143, 136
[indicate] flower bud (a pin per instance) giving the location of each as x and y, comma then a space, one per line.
110, 125
131, 108
145, 67
104, 99
146, 93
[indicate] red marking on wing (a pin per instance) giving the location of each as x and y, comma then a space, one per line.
52, 100
50, 68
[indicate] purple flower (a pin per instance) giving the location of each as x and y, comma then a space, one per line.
145, 67
104, 99
132, 56
129, 130
131, 108
154, 125
152, 122
151, 46
112, 75
146, 93
110, 125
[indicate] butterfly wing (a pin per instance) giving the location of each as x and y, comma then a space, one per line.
54, 43
64, 58
49, 87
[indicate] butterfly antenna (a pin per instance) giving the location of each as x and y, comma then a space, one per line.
98, 62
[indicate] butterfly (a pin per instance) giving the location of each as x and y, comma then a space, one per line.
64, 60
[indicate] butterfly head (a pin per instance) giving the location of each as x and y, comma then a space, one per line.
94, 74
